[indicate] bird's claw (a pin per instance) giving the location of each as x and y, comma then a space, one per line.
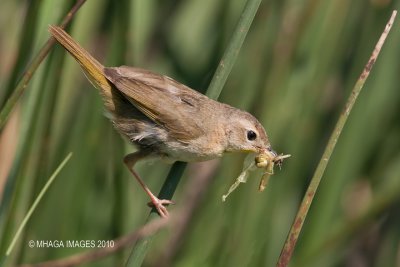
160, 206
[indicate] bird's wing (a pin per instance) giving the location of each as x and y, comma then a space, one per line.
163, 100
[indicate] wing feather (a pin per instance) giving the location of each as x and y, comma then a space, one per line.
163, 100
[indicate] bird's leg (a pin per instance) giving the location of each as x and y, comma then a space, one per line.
158, 204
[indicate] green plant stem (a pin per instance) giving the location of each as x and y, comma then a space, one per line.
297, 225
214, 89
232, 51
35, 203
32, 67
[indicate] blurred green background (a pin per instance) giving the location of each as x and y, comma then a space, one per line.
295, 71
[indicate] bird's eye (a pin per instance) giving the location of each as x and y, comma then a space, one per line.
251, 135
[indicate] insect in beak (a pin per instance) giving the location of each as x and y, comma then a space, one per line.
268, 159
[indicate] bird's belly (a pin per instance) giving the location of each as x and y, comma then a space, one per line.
191, 153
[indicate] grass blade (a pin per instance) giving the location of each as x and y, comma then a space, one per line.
23, 83
232, 51
297, 225
35, 203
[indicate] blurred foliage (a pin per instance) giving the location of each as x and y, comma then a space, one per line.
294, 72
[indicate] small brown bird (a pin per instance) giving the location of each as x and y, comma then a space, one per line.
166, 119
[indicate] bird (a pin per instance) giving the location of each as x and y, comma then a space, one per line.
165, 119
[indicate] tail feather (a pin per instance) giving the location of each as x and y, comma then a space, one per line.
93, 69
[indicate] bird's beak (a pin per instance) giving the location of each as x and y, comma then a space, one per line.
273, 152
269, 151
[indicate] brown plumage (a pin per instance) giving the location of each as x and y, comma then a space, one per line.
165, 118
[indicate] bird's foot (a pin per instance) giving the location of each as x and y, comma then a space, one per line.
160, 206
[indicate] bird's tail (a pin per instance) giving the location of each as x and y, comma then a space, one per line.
93, 69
